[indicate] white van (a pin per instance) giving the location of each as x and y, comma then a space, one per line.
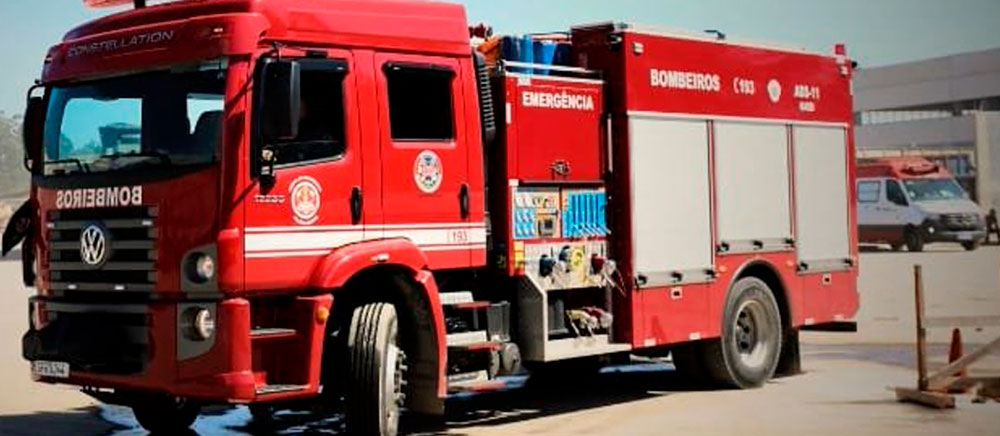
910, 201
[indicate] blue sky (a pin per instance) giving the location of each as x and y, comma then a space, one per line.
878, 32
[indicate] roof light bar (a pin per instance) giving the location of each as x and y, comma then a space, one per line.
112, 3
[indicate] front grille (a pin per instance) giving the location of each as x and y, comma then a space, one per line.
130, 261
960, 221
98, 342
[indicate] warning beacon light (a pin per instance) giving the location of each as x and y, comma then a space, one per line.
112, 3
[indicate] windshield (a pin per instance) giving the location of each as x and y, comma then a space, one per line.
933, 189
162, 118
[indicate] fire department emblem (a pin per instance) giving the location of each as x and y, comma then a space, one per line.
428, 172
305, 193
774, 90
93, 246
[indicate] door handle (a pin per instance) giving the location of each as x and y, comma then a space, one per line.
357, 201
463, 200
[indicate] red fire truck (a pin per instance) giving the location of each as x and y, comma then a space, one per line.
270, 201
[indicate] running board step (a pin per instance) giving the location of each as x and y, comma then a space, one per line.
476, 346
453, 298
277, 389
472, 305
475, 381
466, 338
272, 333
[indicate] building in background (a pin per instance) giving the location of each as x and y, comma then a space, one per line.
946, 109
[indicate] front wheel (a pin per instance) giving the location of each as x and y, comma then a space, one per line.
747, 354
970, 245
165, 414
375, 370
914, 241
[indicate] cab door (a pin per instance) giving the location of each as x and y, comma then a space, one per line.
424, 152
313, 205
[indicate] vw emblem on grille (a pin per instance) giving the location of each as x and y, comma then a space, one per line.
94, 245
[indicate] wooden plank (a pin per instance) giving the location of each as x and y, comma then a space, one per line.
930, 399
964, 362
962, 321
918, 290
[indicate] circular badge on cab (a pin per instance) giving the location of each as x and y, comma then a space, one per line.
428, 172
305, 192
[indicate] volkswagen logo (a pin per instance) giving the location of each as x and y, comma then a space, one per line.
94, 245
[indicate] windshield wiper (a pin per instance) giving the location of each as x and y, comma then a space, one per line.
164, 158
79, 165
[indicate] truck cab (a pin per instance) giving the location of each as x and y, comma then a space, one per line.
912, 201
205, 173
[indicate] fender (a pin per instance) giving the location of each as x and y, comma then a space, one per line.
791, 298
346, 262
343, 263
426, 280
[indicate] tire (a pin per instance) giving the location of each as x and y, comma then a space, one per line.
162, 414
971, 245
748, 352
689, 364
913, 240
375, 372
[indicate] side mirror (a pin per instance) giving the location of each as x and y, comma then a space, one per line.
281, 95
34, 118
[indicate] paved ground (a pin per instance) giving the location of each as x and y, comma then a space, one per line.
842, 392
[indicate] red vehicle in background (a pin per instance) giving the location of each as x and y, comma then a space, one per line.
269, 201
911, 201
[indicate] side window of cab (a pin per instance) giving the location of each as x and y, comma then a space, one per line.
321, 121
869, 191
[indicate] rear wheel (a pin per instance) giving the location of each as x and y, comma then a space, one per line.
970, 246
375, 371
747, 354
914, 242
163, 414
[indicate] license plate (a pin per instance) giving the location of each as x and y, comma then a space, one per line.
965, 237
44, 368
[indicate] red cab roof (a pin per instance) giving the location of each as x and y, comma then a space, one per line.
201, 29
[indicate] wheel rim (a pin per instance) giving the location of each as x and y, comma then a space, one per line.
393, 375
752, 334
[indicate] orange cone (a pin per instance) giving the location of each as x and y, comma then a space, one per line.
954, 353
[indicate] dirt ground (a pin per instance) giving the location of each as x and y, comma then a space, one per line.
843, 389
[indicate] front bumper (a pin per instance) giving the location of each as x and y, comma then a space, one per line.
954, 235
140, 347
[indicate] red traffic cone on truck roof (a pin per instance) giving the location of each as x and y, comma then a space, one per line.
954, 353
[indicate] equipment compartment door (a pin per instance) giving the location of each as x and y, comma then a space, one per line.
821, 197
424, 145
671, 200
752, 186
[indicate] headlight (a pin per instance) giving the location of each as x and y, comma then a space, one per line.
205, 267
200, 268
201, 324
